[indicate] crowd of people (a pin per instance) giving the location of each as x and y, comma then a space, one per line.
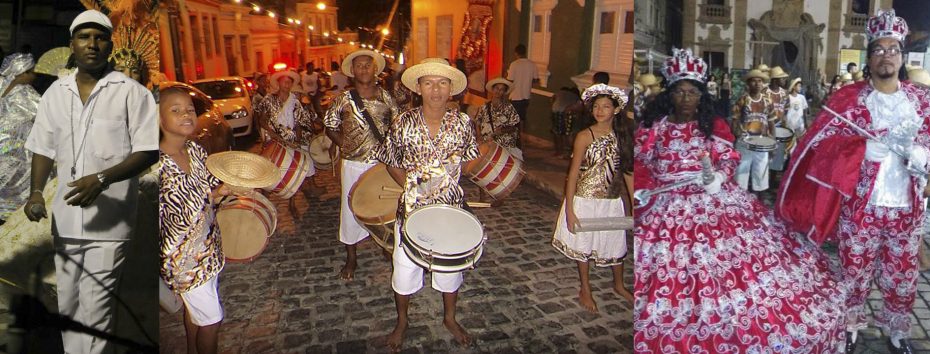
719, 271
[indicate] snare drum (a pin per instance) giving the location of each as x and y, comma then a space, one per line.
496, 171
443, 238
319, 152
373, 201
294, 165
783, 137
759, 143
245, 225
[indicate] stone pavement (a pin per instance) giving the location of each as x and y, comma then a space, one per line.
521, 298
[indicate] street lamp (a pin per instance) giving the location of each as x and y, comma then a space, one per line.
297, 21
270, 14
385, 31
310, 27
321, 6
256, 8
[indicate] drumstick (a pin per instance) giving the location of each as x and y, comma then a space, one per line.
479, 204
392, 189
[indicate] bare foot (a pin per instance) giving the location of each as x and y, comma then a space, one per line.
587, 301
458, 332
348, 271
622, 291
395, 340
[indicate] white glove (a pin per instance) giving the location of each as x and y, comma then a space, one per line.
714, 186
917, 160
875, 151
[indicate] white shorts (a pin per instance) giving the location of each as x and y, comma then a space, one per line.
753, 167
407, 277
203, 303
350, 230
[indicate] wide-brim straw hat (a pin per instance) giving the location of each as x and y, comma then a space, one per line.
755, 73
762, 67
490, 85
437, 67
777, 73
291, 74
347, 62
794, 82
244, 170
846, 77
648, 80
919, 75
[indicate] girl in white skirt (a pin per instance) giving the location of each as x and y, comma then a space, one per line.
592, 190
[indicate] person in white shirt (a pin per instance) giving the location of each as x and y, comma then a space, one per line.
523, 74
797, 106
99, 127
340, 81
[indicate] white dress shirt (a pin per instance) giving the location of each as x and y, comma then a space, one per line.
522, 72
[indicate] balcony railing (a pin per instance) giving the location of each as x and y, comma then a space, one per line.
714, 14
855, 22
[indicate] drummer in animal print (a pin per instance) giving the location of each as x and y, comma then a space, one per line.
753, 114
424, 151
359, 142
778, 94
498, 121
191, 254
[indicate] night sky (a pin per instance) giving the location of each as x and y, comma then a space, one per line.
371, 14
915, 12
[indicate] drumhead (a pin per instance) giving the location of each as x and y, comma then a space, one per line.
319, 149
783, 134
444, 229
368, 199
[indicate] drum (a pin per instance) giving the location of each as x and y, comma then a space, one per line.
759, 143
443, 238
319, 152
245, 225
783, 137
754, 128
294, 165
496, 171
373, 201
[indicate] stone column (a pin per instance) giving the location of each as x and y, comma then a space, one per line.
740, 22
834, 31
188, 53
689, 15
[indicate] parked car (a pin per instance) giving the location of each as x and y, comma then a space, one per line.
231, 95
213, 131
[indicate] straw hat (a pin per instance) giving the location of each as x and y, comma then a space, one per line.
858, 76
755, 73
919, 75
763, 68
244, 170
846, 77
496, 81
648, 80
283, 73
347, 62
794, 82
438, 67
777, 73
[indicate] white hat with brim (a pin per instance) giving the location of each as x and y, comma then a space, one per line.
244, 170
285, 73
437, 67
755, 73
777, 73
347, 62
919, 75
500, 80
794, 82
94, 17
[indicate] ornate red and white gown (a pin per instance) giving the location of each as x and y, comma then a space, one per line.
831, 192
716, 273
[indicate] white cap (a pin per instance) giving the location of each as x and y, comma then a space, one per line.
92, 16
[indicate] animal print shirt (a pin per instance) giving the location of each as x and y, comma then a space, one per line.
433, 166
286, 118
191, 252
492, 117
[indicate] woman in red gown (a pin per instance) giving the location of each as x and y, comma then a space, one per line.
715, 272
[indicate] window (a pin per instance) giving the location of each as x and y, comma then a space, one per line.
244, 51
714, 59
628, 22
860, 6
716, 2
207, 35
537, 24
216, 35
607, 22
259, 61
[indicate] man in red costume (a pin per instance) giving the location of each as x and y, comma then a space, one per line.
865, 192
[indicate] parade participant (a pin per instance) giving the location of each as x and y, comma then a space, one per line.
339, 80
592, 190
284, 120
778, 94
18, 104
523, 73
753, 114
424, 151
357, 122
865, 192
261, 88
191, 254
715, 272
100, 129
797, 108
497, 121
130, 64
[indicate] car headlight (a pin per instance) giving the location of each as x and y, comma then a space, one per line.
240, 113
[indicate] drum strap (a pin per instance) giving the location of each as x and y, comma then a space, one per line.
361, 108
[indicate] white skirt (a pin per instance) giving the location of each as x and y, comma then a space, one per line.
605, 248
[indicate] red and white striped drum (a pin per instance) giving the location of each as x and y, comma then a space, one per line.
295, 167
245, 225
496, 171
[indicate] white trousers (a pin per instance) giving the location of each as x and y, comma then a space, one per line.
407, 277
350, 230
80, 297
753, 165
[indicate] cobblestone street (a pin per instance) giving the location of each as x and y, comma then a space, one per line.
522, 297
